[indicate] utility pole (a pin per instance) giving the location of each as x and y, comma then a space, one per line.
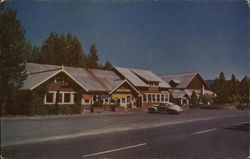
149, 60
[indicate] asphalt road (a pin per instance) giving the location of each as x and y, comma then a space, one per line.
202, 139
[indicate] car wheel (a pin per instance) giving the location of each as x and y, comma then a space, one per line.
151, 111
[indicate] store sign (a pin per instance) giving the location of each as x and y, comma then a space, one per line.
123, 90
86, 96
103, 96
118, 96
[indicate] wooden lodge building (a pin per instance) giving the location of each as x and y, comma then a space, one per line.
183, 85
96, 86
152, 88
125, 87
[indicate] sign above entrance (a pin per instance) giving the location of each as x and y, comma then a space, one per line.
118, 96
86, 96
103, 96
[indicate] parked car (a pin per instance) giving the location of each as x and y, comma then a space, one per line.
168, 107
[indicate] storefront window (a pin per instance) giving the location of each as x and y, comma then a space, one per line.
149, 98
123, 100
128, 99
166, 97
153, 97
162, 97
158, 97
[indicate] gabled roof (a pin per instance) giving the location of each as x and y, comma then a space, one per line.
184, 78
35, 79
90, 80
131, 77
140, 77
36, 68
108, 79
85, 78
146, 75
179, 94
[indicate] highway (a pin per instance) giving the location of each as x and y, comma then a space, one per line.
201, 139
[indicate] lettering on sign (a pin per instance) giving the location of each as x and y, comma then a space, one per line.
123, 90
86, 96
118, 96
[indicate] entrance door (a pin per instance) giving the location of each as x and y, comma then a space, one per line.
139, 101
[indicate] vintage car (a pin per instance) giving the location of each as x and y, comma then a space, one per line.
168, 107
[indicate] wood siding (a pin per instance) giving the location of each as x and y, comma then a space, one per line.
197, 83
68, 85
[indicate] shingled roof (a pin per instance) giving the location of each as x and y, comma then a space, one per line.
140, 77
183, 79
90, 80
131, 77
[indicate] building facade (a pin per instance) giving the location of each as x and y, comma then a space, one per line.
96, 87
183, 85
152, 88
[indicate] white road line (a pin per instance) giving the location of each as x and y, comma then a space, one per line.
200, 132
118, 149
242, 123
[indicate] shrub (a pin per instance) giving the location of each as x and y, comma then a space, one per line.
36, 106
69, 109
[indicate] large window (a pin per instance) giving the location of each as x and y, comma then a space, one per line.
128, 99
162, 98
123, 100
153, 96
158, 97
149, 98
49, 97
67, 97
62, 97
166, 97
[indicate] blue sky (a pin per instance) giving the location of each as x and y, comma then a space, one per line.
181, 36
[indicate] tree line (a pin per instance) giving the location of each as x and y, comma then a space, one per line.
15, 51
61, 49
232, 90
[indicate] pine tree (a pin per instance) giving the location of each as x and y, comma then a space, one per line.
108, 65
13, 49
194, 99
223, 89
62, 50
93, 58
244, 87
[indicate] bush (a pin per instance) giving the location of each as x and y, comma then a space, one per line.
69, 109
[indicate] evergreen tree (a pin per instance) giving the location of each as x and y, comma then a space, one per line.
223, 95
93, 58
233, 85
108, 65
194, 99
13, 49
244, 87
62, 50
34, 54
